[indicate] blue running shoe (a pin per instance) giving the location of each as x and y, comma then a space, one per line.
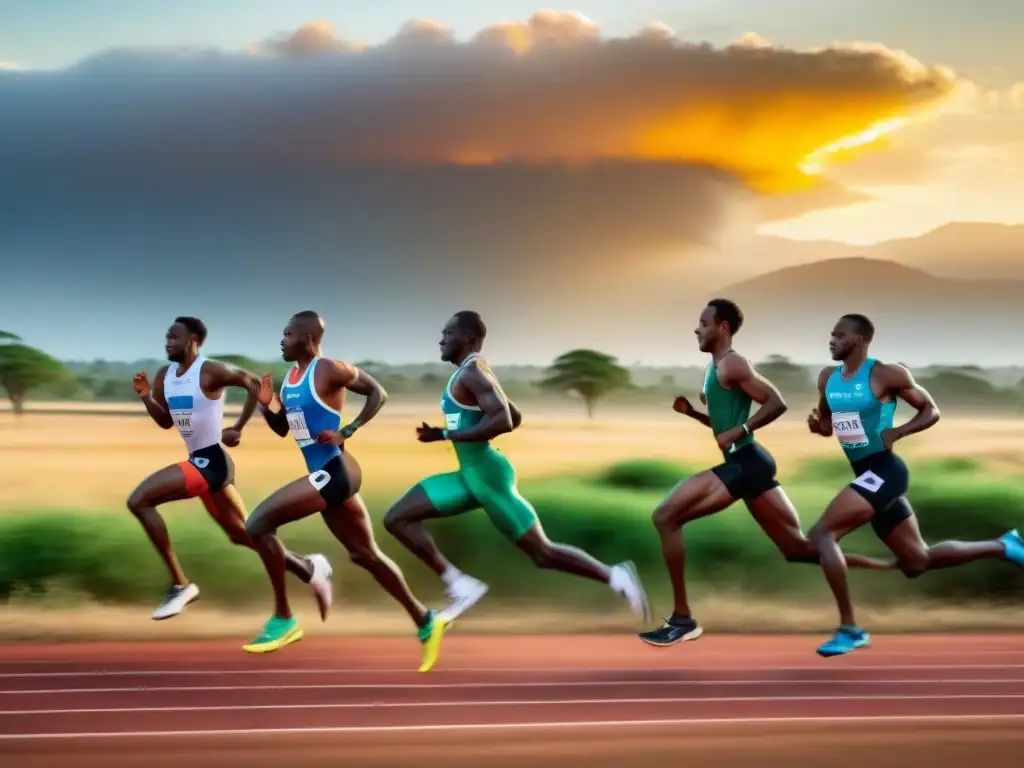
673, 631
845, 639
1014, 545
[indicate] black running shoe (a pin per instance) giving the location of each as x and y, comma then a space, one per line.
671, 633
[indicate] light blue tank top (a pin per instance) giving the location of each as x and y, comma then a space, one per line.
308, 415
858, 417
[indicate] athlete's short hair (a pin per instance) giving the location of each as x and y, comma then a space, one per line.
195, 326
727, 312
865, 328
471, 322
309, 314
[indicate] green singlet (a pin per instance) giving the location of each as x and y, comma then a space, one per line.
485, 478
727, 408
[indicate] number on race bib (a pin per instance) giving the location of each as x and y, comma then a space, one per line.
183, 421
297, 426
849, 430
451, 421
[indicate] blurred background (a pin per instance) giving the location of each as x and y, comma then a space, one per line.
586, 181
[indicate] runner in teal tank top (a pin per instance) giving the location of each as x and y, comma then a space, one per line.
476, 411
747, 473
857, 403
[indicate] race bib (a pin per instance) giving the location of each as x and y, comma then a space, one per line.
297, 427
452, 421
180, 408
849, 430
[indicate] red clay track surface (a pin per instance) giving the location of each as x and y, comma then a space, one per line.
539, 701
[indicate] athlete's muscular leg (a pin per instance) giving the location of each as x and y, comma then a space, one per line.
699, 496
846, 512
561, 557
228, 510
164, 486
778, 518
915, 556
293, 502
350, 523
405, 521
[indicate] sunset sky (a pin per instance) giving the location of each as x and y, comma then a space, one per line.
240, 158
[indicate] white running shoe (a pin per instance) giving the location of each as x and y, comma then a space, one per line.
463, 594
320, 583
626, 582
177, 598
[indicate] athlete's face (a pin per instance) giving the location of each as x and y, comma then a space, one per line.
453, 341
294, 341
708, 329
844, 340
177, 342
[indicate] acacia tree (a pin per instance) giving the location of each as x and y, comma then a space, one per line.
588, 373
23, 368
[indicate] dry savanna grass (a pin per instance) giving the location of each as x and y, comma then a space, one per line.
92, 461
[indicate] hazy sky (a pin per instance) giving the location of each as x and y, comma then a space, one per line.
581, 181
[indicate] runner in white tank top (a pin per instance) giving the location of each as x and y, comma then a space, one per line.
189, 395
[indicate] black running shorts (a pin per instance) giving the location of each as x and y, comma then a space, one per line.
882, 480
748, 472
332, 481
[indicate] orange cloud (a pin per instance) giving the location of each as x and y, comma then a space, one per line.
552, 89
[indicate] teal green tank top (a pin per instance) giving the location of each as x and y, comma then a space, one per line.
858, 417
727, 408
459, 416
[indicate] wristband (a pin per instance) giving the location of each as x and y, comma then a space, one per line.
745, 428
444, 433
348, 430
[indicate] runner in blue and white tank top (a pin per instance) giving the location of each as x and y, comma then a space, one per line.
857, 403
312, 399
189, 395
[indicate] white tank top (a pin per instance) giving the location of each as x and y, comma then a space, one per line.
197, 417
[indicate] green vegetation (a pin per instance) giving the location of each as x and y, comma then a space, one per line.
23, 369
104, 555
587, 374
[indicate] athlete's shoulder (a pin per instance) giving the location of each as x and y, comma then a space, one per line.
894, 375
825, 374
733, 366
340, 371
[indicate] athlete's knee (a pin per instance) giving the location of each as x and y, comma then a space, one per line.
543, 555
239, 537
801, 552
137, 501
913, 564
666, 519
258, 525
396, 519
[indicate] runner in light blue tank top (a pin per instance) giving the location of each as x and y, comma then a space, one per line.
858, 417
859, 409
308, 416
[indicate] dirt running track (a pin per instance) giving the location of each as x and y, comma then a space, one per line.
496, 702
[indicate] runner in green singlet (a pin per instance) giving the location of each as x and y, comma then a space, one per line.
476, 411
731, 386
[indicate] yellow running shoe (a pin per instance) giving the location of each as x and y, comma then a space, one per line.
430, 635
276, 634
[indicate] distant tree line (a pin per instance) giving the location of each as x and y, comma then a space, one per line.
586, 376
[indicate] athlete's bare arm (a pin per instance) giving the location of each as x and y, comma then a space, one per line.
736, 371
218, 376
497, 418
899, 382
682, 405
276, 420
819, 421
341, 375
153, 397
516, 414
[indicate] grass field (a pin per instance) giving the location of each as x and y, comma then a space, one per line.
92, 462
76, 564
